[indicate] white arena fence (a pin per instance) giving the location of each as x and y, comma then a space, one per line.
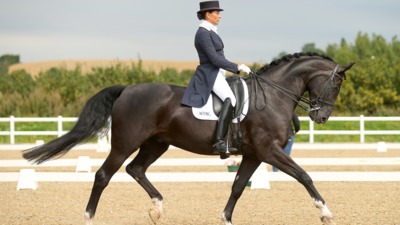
83, 169
84, 164
311, 132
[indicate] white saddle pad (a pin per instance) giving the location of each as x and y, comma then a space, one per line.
207, 112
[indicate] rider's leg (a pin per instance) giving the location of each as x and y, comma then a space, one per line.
223, 123
222, 90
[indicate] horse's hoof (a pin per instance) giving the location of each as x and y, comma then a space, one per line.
226, 221
328, 220
154, 214
88, 220
156, 210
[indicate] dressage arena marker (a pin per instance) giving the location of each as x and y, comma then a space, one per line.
260, 178
83, 164
27, 179
381, 147
39, 142
103, 145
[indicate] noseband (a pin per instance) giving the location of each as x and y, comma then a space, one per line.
316, 103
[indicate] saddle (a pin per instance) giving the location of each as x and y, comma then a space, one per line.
237, 88
212, 109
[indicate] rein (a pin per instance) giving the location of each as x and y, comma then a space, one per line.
315, 104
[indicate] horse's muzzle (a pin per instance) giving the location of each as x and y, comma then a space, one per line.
317, 117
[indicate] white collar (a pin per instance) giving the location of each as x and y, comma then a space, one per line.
209, 26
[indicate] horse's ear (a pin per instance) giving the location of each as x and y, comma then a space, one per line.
343, 69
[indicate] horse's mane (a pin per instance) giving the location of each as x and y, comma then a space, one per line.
287, 58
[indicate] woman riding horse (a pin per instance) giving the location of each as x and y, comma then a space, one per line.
210, 74
148, 118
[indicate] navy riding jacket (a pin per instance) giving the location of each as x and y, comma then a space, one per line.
210, 49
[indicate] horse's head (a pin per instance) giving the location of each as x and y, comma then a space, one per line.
323, 91
292, 75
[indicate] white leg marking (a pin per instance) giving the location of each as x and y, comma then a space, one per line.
158, 204
223, 218
157, 210
326, 214
88, 221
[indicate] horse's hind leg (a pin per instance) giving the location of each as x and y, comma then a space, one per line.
103, 176
286, 164
149, 152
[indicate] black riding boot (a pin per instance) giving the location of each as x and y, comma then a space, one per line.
225, 117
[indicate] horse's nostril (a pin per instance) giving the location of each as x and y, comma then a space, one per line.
324, 119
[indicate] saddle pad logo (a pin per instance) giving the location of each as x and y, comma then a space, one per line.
207, 112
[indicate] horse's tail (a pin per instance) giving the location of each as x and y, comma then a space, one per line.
92, 119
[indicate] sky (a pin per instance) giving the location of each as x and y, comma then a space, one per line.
252, 31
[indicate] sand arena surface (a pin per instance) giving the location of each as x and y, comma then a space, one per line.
286, 203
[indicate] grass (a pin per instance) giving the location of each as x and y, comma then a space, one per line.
351, 126
32, 126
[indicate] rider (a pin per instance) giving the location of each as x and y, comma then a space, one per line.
210, 74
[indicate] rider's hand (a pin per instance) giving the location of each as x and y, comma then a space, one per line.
244, 68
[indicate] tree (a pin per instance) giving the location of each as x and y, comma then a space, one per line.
310, 47
372, 83
371, 88
6, 61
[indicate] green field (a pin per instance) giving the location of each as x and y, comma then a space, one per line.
331, 125
32, 126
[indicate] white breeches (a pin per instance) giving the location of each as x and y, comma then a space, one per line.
221, 88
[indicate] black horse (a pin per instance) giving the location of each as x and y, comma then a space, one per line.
149, 117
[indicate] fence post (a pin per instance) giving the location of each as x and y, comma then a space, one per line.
12, 130
311, 130
362, 129
59, 126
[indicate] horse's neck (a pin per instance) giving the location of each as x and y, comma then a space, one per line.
291, 84
294, 81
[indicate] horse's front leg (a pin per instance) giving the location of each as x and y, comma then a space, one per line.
247, 167
285, 163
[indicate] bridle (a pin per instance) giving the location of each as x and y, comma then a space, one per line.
315, 104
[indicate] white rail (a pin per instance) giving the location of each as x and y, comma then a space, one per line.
386, 161
104, 146
202, 176
311, 132
362, 131
206, 177
12, 120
